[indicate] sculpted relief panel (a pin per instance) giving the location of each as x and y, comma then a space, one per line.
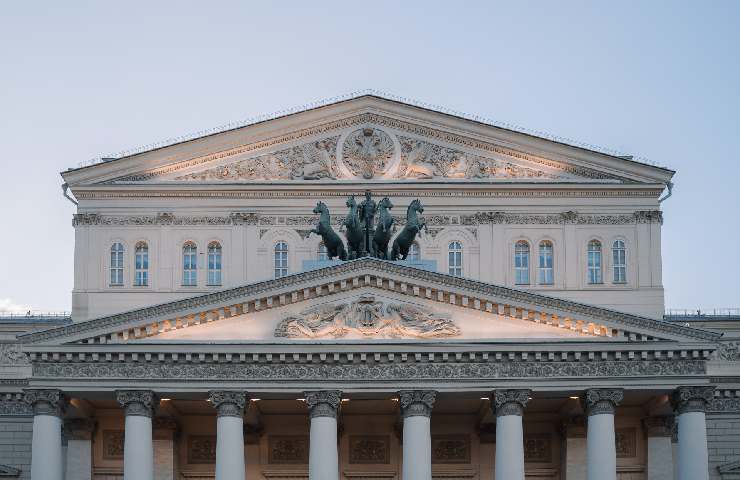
366, 153
367, 317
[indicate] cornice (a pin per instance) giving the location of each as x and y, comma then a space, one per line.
369, 272
477, 218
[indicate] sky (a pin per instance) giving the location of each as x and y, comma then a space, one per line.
658, 79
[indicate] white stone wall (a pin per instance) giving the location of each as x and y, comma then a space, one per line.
723, 439
15, 443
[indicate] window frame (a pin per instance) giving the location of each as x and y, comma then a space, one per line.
189, 275
542, 270
616, 266
116, 264
414, 257
141, 268
522, 272
282, 255
455, 258
214, 271
322, 254
595, 269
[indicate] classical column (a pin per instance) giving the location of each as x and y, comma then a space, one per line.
138, 448
79, 434
46, 446
690, 404
416, 410
323, 457
659, 448
229, 433
601, 452
508, 405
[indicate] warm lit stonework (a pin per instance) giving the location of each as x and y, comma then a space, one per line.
522, 337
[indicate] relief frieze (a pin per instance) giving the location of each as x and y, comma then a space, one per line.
202, 449
538, 447
392, 371
113, 441
626, 442
287, 449
450, 449
369, 449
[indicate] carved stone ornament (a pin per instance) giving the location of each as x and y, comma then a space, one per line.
510, 402
323, 403
11, 354
729, 351
367, 152
45, 402
599, 401
368, 318
369, 449
625, 442
137, 402
416, 402
309, 161
658, 426
228, 403
421, 159
692, 399
79, 428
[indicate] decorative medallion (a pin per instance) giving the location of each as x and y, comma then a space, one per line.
367, 318
369, 449
367, 152
450, 448
202, 449
113, 441
287, 449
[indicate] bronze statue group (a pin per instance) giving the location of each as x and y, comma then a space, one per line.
364, 237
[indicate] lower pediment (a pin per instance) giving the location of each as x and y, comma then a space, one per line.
368, 315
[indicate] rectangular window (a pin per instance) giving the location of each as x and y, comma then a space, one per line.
546, 269
594, 266
141, 266
619, 260
189, 266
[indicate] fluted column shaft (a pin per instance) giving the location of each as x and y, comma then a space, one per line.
230, 463
508, 405
323, 457
138, 448
46, 445
601, 451
416, 410
690, 404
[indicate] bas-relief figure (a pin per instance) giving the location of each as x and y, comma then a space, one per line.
367, 317
366, 153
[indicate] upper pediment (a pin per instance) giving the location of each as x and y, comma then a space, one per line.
367, 138
370, 300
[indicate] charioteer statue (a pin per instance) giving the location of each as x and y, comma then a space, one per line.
364, 238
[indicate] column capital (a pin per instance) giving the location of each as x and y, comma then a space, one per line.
510, 402
228, 403
139, 403
323, 403
661, 426
692, 399
45, 402
597, 401
78, 428
416, 402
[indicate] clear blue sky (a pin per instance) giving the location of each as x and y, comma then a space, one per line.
657, 79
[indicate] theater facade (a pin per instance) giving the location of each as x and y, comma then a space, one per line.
522, 336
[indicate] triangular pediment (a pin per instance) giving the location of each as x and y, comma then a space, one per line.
479, 310
367, 138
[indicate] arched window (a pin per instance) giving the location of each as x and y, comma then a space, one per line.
214, 263
594, 262
454, 250
521, 263
189, 264
116, 264
141, 265
321, 253
281, 259
619, 261
545, 267
414, 253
